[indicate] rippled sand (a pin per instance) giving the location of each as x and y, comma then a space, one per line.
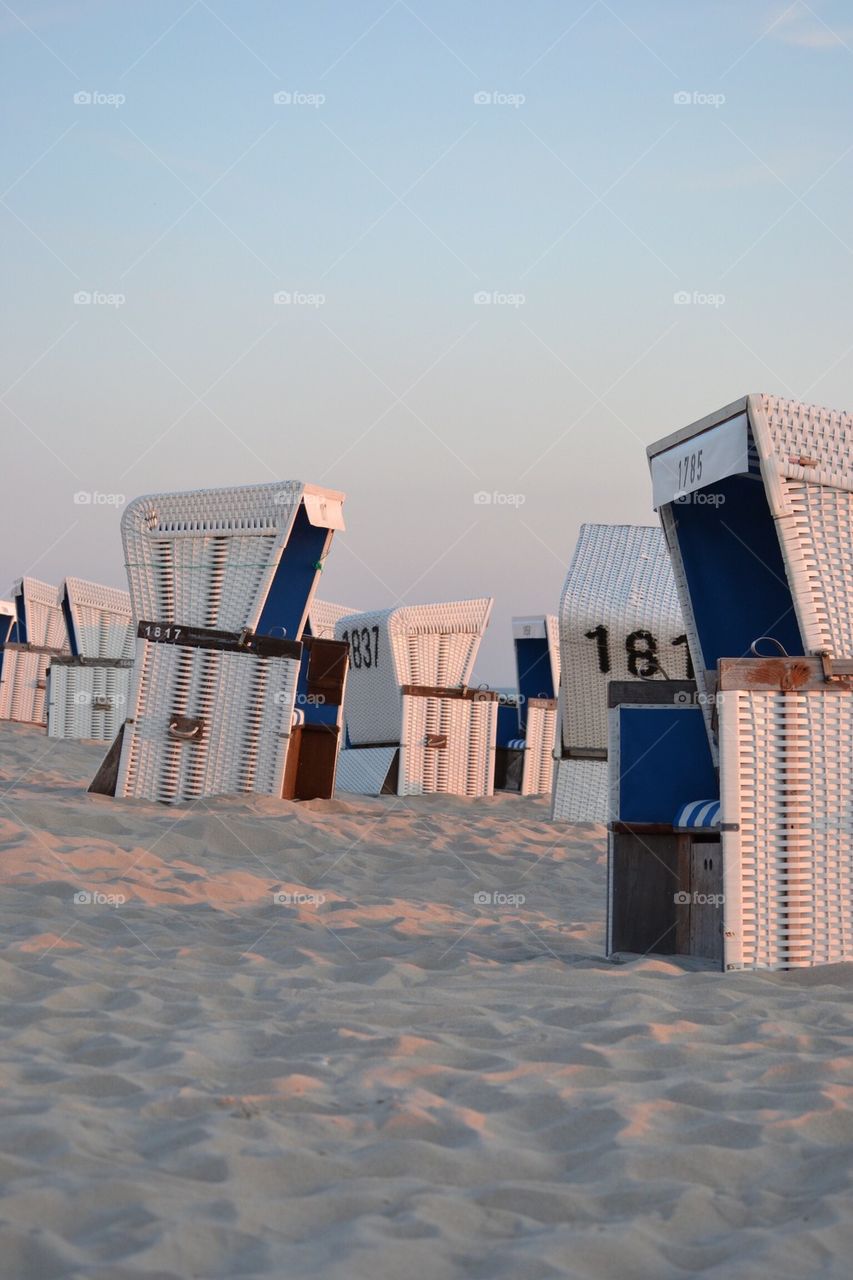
381, 1076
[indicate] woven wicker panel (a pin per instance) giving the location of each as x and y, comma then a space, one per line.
537, 775
619, 582
246, 702
581, 791
804, 442
323, 616
100, 617
23, 680
788, 871
817, 546
43, 615
87, 702
431, 644
207, 558
466, 765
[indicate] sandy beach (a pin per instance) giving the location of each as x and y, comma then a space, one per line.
378, 1074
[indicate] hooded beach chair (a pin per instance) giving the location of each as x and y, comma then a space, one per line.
226, 697
527, 725
413, 724
619, 620
756, 501
88, 688
39, 635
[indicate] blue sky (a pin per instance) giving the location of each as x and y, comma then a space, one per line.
626, 155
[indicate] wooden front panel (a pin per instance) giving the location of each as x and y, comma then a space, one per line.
706, 904
644, 883
311, 762
327, 669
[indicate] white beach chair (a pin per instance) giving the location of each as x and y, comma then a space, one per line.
88, 689
40, 634
619, 620
221, 581
413, 725
757, 504
527, 729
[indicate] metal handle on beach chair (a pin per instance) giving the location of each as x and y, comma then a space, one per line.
186, 728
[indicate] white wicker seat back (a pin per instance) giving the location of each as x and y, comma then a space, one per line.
99, 621
619, 620
230, 558
429, 645
40, 617
323, 616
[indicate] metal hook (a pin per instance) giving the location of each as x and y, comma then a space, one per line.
770, 640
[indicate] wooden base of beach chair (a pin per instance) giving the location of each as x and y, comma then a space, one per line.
665, 892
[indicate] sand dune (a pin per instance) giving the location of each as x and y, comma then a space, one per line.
292, 1041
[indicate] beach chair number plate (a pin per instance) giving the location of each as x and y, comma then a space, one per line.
160, 632
642, 650
363, 646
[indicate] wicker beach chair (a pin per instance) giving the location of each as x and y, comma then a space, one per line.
619, 620
527, 729
40, 634
88, 689
413, 724
322, 617
8, 622
756, 502
225, 695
